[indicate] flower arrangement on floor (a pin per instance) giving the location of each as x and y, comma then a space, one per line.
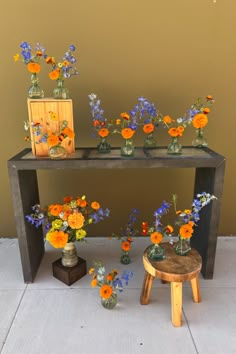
102, 125
126, 236
67, 222
109, 283
62, 70
55, 133
32, 59
145, 113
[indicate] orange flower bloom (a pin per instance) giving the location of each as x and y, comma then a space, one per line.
94, 283
125, 246
52, 140
39, 53
66, 212
148, 128
54, 75
156, 237
103, 132
169, 229
106, 291
186, 231
200, 120
95, 205
206, 110
174, 132
65, 63
67, 199
167, 120
96, 123
55, 209
129, 239
82, 203
57, 239
50, 60
125, 115
127, 133
34, 68
209, 97
76, 220
68, 132
109, 277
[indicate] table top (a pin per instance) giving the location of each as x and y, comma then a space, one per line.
174, 267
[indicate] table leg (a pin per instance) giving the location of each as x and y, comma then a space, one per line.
176, 303
146, 289
196, 289
205, 235
24, 186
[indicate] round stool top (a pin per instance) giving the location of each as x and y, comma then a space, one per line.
173, 268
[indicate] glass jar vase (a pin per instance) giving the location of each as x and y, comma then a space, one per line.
149, 141
125, 258
109, 303
61, 92
156, 252
174, 147
128, 148
104, 147
35, 91
200, 140
57, 152
182, 246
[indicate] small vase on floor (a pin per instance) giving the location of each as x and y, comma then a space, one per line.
174, 147
182, 247
60, 92
35, 91
125, 258
111, 302
128, 148
149, 141
69, 255
200, 140
156, 253
103, 147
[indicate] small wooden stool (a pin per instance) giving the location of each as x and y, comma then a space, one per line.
174, 269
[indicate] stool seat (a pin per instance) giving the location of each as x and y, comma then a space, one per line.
175, 269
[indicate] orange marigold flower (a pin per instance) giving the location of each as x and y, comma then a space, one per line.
55, 209
125, 115
206, 110
50, 60
148, 128
82, 203
95, 205
169, 229
39, 53
174, 132
66, 212
54, 75
209, 97
186, 231
52, 140
68, 132
96, 123
58, 239
76, 220
103, 132
65, 63
109, 277
67, 199
129, 239
106, 291
94, 283
34, 68
187, 211
91, 270
191, 223
125, 246
156, 237
200, 120
167, 120
127, 133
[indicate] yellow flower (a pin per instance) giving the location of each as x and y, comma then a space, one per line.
80, 234
91, 270
16, 57
56, 224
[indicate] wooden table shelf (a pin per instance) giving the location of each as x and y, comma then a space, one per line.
209, 176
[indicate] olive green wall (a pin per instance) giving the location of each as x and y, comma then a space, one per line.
170, 51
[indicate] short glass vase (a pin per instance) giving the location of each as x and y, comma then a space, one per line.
125, 258
60, 92
149, 141
174, 148
109, 303
103, 147
156, 252
182, 247
57, 152
35, 91
200, 140
128, 149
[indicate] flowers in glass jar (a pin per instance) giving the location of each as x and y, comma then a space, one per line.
65, 68
31, 58
67, 222
109, 283
201, 111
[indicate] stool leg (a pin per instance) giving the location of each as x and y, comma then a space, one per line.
146, 289
176, 303
196, 289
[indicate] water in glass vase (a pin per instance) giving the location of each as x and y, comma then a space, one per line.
61, 92
174, 147
128, 148
149, 141
200, 140
35, 91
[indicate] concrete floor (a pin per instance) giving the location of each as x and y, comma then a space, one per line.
48, 317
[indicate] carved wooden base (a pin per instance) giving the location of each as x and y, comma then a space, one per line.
69, 275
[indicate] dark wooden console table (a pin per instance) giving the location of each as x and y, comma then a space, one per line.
209, 176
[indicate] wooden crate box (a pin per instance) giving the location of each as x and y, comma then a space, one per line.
49, 113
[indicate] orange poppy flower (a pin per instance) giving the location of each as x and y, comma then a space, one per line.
156, 237
200, 120
96, 123
148, 128
206, 110
109, 277
94, 283
54, 75
68, 132
174, 132
39, 53
169, 229
125, 115
103, 132
167, 120
125, 246
57, 239
186, 231
34, 68
95, 205
106, 291
67, 199
82, 203
50, 60
209, 97
127, 133
76, 220
55, 209
65, 63
52, 140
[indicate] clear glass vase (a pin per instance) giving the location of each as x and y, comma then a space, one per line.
156, 252
35, 91
174, 147
125, 258
111, 302
104, 147
128, 148
69, 255
57, 152
149, 141
182, 246
200, 140
60, 92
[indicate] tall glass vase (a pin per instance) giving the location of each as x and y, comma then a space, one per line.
35, 91
174, 147
200, 140
149, 141
60, 92
128, 148
103, 147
